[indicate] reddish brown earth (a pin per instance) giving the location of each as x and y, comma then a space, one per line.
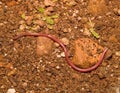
25, 71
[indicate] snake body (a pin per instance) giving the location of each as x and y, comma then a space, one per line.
65, 51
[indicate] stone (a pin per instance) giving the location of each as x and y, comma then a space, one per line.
62, 54
1, 24
11, 90
117, 53
36, 28
65, 30
65, 41
57, 67
44, 46
22, 27
117, 11
86, 52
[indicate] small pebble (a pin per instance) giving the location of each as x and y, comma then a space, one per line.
65, 30
75, 27
42, 68
74, 14
117, 89
117, 53
6, 6
79, 18
36, 28
62, 54
5, 54
22, 27
69, 29
1, 24
44, 46
29, 18
11, 90
0, 3
99, 17
119, 12
24, 84
112, 75
118, 78
81, 30
76, 11
56, 44
58, 56
65, 41
47, 89
57, 67
2, 86
83, 88
41, 61
48, 74
116, 66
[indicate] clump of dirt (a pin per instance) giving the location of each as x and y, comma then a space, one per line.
44, 46
87, 53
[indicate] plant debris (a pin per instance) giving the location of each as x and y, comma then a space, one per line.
92, 29
49, 20
96, 35
41, 10
23, 16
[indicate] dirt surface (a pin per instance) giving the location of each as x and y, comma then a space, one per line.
22, 70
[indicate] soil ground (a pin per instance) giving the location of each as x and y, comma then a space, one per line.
32, 73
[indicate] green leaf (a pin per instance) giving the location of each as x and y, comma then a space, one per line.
41, 10
55, 16
23, 16
96, 35
49, 20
